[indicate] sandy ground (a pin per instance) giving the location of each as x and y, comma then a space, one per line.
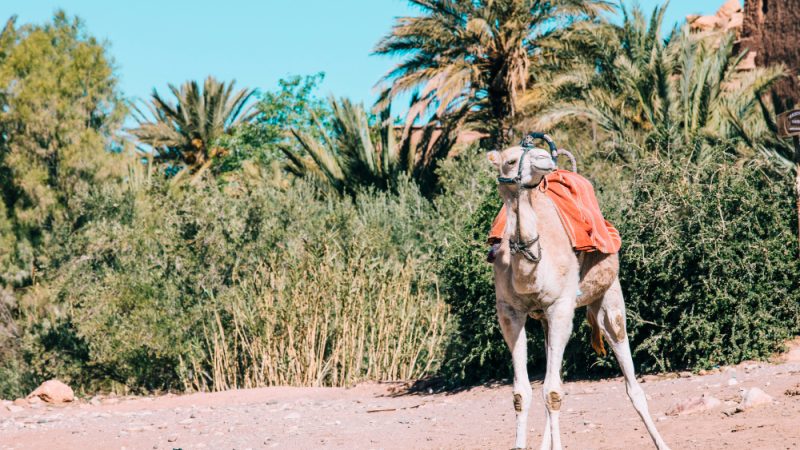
595, 415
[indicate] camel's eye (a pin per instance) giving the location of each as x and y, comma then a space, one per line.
511, 162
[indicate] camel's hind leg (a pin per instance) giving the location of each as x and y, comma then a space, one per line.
512, 324
609, 315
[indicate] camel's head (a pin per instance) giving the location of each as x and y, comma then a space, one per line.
535, 165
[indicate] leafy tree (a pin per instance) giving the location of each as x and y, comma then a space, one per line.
293, 105
185, 132
468, 62
679, 94
61, 108
353, 153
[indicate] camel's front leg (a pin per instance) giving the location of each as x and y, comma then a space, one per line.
559, 321
512, 323
547, 442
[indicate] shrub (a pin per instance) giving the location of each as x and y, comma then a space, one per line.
223, 287
709, 267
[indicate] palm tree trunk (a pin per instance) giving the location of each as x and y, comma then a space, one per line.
772, 30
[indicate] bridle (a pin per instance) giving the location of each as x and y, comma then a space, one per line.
518, 246
527, 145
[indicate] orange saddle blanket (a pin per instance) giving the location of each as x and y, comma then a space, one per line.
579, 211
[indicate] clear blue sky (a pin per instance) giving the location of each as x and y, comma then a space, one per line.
255, 42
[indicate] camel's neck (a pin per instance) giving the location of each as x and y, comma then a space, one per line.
522, 226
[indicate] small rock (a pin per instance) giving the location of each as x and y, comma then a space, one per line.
172, 438
751, 367
693, 405
21, 402
133, 428
14, 408
685, 374
754, 397
729, 8
53, 391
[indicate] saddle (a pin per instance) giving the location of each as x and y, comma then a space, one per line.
579, 212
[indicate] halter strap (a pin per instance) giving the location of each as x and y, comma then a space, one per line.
527, 145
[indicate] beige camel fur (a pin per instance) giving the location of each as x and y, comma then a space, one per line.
547, 290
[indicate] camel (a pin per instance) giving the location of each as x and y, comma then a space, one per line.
538, 273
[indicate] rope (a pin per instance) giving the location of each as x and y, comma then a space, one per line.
562, 151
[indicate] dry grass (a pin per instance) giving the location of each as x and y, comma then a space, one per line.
325, 324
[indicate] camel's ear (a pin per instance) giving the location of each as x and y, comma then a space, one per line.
494, 158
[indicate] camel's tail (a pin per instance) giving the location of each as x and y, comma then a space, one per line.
597, 336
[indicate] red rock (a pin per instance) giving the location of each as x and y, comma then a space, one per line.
729, 9
53, 391
705, 23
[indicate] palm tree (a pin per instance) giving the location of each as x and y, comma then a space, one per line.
467, 62
185, 132
683, 93
352, 153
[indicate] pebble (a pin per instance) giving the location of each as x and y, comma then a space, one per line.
694, 404
754, 397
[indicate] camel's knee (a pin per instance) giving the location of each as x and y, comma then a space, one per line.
553, 399
615, 325
522, 399
517, 402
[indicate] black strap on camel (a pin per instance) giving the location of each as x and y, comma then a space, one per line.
527, 145
518, 246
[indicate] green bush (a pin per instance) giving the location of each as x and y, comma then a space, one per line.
709, 269
709, 265
214, 287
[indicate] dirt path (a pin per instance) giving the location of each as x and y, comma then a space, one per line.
595, 415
